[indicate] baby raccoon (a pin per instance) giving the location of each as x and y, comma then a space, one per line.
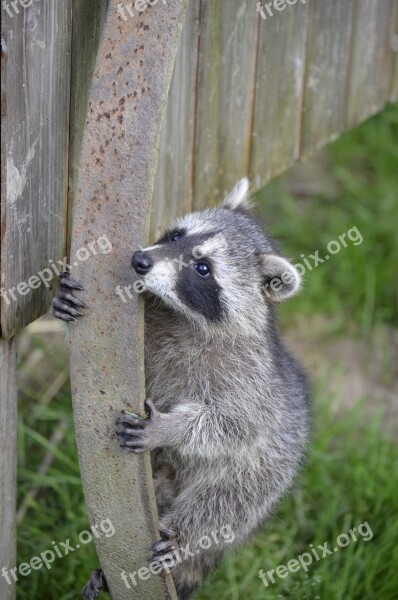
228, 417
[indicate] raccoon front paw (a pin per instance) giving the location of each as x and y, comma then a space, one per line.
95, 585
165, 551
139, 433
64, 302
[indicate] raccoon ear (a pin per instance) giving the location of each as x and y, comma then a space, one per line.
237, 199
281, 280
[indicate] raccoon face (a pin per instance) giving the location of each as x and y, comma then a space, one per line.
217, 266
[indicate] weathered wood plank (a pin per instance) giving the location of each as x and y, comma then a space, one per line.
394, 47
172, 195
371, 59
279, 91
116, 176
287, 106
88, 18
8, 464
35, 110
327, 62
226, 70
35, 132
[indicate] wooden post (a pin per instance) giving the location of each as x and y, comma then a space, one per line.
35, 90
8, 465
115, 183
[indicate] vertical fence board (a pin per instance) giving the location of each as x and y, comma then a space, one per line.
172, 195
394, 47
227, 52
371, 59
35, 110
279, 91
8, 464
327, 63
207, 139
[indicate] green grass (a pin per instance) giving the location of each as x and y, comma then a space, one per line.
359, 283
58, 512
349, 478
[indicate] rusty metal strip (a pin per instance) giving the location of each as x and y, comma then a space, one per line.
117, 169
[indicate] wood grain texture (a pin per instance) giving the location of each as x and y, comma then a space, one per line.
371, 59
394, 47
8, 463
172, 195
116, 176
227, 54
327, 63
87, 21
278, 91
35, 111
214, 126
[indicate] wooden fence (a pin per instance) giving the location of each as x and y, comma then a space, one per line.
249, 95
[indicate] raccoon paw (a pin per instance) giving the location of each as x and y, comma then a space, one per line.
140, 433
165, 552
64, 302
95, 585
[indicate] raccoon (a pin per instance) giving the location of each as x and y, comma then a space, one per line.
228, 406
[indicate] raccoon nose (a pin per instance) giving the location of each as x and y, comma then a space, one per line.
141, 262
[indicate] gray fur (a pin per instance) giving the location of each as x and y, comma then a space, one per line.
230, 403
228, 411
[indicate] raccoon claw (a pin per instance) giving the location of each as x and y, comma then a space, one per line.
131, 433
95, 585
64, 303
63, 316
164, 553
138, 433
58, 306
69, 283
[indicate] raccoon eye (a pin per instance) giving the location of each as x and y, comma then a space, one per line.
176, 236
203, 269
